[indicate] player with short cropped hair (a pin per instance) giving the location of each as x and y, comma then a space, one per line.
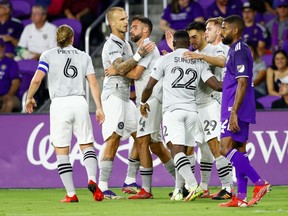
120, 123
180, 118
68, 68
238, 111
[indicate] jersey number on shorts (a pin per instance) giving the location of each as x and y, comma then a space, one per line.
209, 126
142, 122
68, 67
188, 85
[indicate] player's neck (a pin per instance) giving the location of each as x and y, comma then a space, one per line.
119, 35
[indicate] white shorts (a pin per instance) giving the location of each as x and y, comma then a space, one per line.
209, 118
120, 117
180, 126
152, 124
70, 115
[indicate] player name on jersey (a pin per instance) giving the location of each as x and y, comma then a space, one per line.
182, 59
62, 51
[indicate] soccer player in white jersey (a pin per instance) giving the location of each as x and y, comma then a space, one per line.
68, 68
209, 105
148, 129
180, 119
120, 123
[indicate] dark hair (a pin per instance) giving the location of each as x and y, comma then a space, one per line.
235, 19
144, 20
273, 66
196, 25
175, 8
181, 37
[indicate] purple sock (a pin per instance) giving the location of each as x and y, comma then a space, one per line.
242, 164
242, 182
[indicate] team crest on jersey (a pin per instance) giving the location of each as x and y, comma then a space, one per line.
45, 36
3, 67
121, 125
240, 68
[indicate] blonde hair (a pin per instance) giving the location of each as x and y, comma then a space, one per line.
110, 14
64, 35
216, 20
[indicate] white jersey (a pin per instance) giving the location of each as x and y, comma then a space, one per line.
38, 40
148, 63
204, 95
67, 69
224, 47
119, 86
180, 80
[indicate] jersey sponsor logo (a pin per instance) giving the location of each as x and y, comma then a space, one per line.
121, 125
113, 52
238, 46
240, 68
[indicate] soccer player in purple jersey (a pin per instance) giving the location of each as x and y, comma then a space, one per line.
238, 111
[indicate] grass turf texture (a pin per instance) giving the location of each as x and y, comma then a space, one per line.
45, 202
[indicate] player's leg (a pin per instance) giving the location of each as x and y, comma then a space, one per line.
130, 186
241, 164
164, 155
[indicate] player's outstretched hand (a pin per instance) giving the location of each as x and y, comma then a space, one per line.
146, 49
144, 109
30, 104
100, 116
169, 39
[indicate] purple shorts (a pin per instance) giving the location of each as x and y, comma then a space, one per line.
241, 136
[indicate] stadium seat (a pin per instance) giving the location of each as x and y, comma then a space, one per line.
75, 24
27, 69
267, 59
267, 101
21, 9
26, 22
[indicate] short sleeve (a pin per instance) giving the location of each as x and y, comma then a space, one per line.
158, 71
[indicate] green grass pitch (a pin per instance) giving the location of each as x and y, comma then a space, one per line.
45, 202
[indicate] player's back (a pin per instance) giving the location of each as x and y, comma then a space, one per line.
180, 79
67, 70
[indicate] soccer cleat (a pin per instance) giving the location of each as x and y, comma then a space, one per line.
108, 194
68, 199
234, 202
177, 195
194, 193
206, 194
259, 192
222, 195
97, 193
131, 188
142, 194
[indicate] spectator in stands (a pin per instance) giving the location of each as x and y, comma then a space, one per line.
278, 27
86, 12
178, 15
224, 8
10, 28
254, 31
278, 70
37, 36
282, 103
259, 72
9, 82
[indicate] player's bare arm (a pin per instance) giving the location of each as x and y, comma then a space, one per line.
96, 94
144, 107
134, 74
124, 67
239, 96
34, 86
215, 84
218, 61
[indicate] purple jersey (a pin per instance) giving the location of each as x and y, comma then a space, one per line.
239, 63
8, 71
233, 7
14, 28
182, 19
255, 33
